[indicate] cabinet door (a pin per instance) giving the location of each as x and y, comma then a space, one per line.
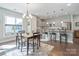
76, 37
76, 34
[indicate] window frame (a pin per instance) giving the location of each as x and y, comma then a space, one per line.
13, 25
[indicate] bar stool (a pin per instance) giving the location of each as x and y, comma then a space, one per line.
46, 35
54, 34
63, 35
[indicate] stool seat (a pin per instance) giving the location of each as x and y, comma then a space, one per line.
46, 33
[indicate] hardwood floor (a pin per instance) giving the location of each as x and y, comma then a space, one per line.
9, 49
64, 49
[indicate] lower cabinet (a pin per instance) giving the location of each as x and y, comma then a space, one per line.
76, 36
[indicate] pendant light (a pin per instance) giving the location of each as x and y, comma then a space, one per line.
27, 15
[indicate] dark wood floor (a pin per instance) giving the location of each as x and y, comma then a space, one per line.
64, 49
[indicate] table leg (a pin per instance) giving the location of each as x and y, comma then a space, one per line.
66, 39
37, 43
60, 38
39, 40
16, 41
27, 46
18, 45
21, 46
33, 44
55, 38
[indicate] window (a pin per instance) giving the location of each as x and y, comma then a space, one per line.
18, 22
12, 25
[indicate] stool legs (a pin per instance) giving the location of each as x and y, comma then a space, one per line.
60, 38
54, 35
55, 38
65, 38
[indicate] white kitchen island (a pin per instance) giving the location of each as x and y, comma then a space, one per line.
47, 37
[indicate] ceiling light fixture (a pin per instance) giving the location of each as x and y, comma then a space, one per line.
53, 22
27, 15
69, 4
62, 22
47, 23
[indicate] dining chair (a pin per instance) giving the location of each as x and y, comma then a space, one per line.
20, 40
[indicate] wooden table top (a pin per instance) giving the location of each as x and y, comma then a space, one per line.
30, 35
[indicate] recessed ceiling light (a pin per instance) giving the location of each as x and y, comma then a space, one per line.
61, 21
53, 22
47, 23
69, 4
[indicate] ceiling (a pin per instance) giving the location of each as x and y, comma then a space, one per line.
44, 10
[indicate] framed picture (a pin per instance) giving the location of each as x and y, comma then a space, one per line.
76, 23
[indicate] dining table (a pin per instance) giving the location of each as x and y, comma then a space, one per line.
32, 38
